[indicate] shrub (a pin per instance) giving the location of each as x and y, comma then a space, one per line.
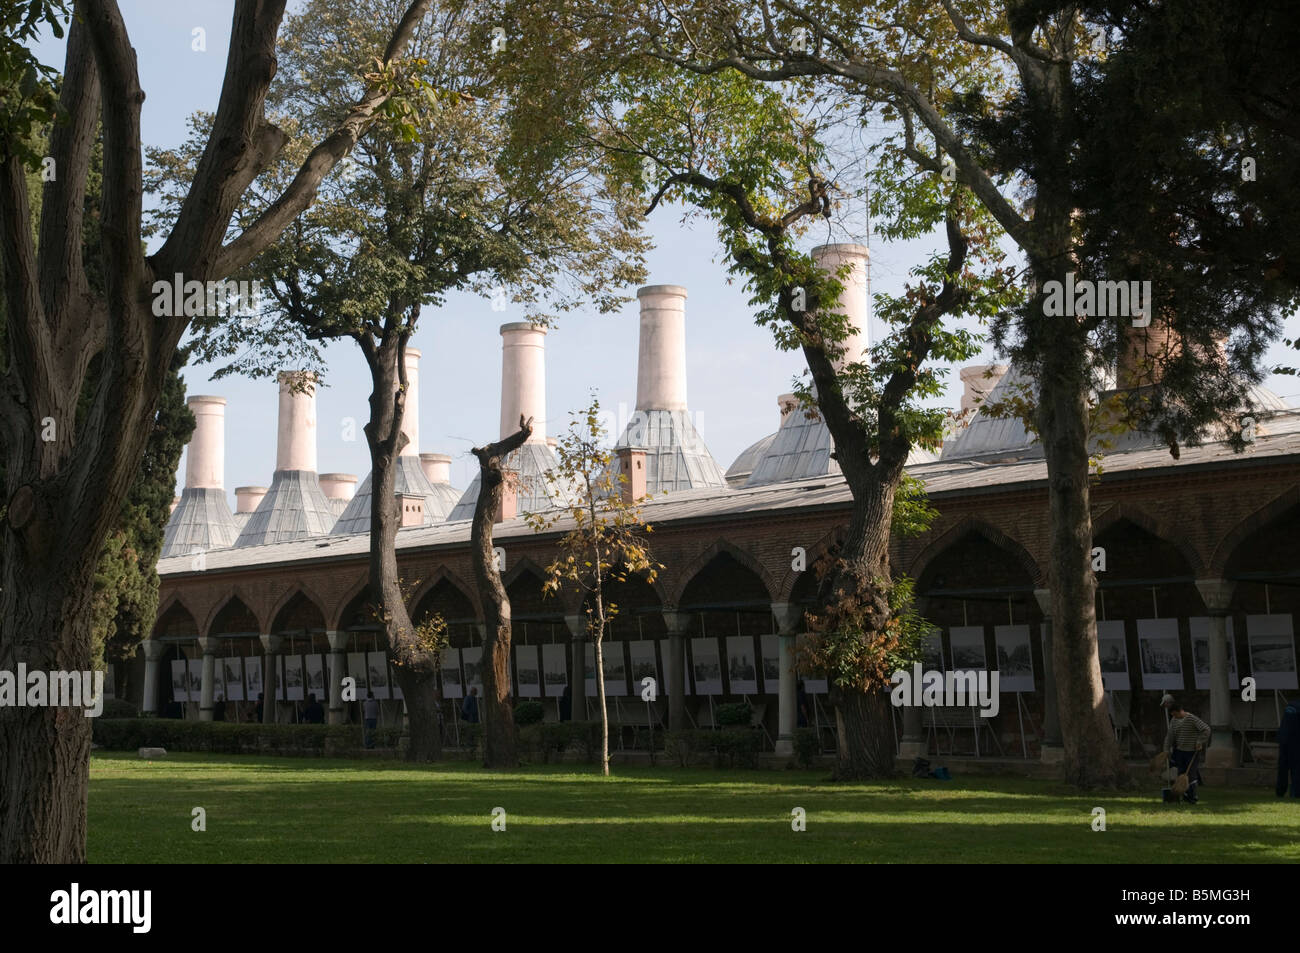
729, 747
736, 715
119, 708
129, 734
528, 713
807, 746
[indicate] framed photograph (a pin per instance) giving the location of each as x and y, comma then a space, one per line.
742, 673
589, 668
452, 686
966, 644
1113, 651
1272, 651
293, 678
253, 676
180, 681
706, 667
1015, 663
644, 666
611, 651
195, 673
932, 652
770, 646
232, 672
377, 673
1161, 654
1200, 629
314, 679
555, 669
530, 671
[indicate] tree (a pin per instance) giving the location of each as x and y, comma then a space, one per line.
448, 193
607, 540
935, 74
499, 748
63, 495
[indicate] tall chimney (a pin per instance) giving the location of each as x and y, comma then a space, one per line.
295, 446
247, 498
411, 416
1143, 353
788, 403
523, 378
205, 458
338, 486
976, 386
436, 466
853, 299
661, 356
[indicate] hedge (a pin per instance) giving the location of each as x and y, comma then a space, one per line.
130, 734
729, 747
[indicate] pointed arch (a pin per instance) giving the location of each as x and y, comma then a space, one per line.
1227, 547
1141, 517
811, 554
719, 548
176, 598
448, 575
298, 587
334, 618
974, 526
229, 595
517, 567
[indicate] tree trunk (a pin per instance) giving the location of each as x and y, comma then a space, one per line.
499, 746
416, 666
866, 729
1092, 757
600, 696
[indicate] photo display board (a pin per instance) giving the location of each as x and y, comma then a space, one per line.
706, 666
530, 671
452, 687
1015, 662
770, 649
966, 645
611, 651
742, 672
232, 672
932, 651
253, 676
195, 672
293, 677
180, 681
1161, 654
1113, 652
1200, 628
471, 660
358, 671
1272, 651
555, 661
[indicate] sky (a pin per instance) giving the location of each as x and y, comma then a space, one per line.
734, 371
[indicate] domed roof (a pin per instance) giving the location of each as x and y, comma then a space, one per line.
743, 465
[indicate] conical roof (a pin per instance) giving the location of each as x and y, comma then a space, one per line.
201, 521
409, 480
675, 455
294, 508
531, 462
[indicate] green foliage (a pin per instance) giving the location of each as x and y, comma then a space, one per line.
28, 97
528, 713
552, 740
737, 714
129, 734
725, 747
119, 708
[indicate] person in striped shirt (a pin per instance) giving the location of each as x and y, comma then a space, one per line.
1187, 736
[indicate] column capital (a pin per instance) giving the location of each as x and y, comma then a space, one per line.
208, 644
338, 640
788, 617
1044, 597
271, 644
154, 650
577, 624
1216, 594
677, 622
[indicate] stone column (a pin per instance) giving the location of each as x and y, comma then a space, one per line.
1053, 750
208, 645
1217, 596
677, 623
577, 624
271, 645
338, 655
788, 617
153, 653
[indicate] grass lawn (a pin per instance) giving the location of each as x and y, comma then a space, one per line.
300, 810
